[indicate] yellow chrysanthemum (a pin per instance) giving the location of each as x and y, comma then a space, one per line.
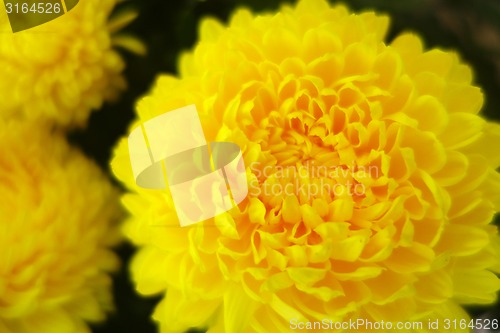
372, 180
63, 69
58, 216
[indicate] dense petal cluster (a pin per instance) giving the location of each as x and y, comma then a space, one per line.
372, 179
61, 70
58, 216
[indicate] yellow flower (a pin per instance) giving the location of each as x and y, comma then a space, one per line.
62, 70
58, 217
372, 180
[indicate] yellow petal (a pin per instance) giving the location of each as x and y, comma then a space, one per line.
417, 258
291, 210
461, 240
130, 43
479, 287
434, 287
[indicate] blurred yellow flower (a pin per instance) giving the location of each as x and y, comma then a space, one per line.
372, 179
62, 70
58, 217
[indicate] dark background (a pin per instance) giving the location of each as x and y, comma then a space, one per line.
472, 27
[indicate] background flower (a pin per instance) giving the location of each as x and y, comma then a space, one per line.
62, 70
317, 84
58, 215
